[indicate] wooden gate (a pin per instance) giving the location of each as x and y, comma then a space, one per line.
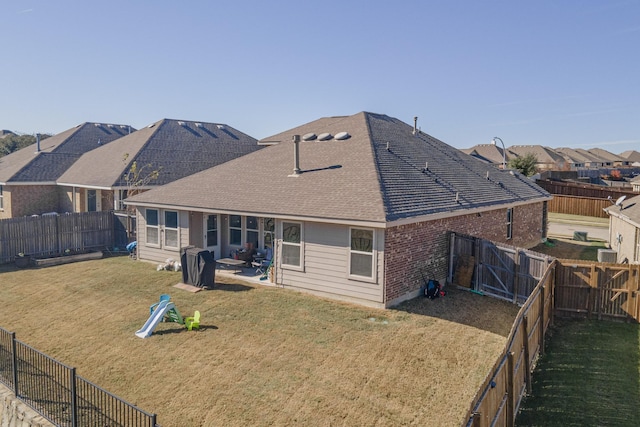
597, 290
498, 270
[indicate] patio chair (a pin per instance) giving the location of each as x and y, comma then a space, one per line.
193, 322
262, 264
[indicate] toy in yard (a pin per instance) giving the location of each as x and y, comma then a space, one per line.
431, 288
164, 310
193, 322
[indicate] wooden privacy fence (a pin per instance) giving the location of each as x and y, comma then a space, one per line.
597, 290
497, 401
565, 288
499, 270
574, 205
53, 234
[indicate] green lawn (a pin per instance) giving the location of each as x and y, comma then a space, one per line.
589, 376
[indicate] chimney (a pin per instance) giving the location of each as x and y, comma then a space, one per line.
296, 156
37, 142
415, 125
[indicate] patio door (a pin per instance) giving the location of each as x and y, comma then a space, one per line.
212, 234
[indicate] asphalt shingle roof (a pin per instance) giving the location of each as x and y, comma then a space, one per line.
631, 155
543, 154
630, 209
174, 147
57, 153
353, 179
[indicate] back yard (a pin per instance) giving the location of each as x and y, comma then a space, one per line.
264, 355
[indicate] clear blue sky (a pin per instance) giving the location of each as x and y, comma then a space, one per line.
557, 73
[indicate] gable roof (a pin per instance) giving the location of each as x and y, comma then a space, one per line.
543, 155
381, 173
606, 155
631, 156
489, 152
174, 147
630, 210
57, 153
580, 156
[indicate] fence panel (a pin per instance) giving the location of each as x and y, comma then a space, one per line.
602, 290
49, 235
58, 394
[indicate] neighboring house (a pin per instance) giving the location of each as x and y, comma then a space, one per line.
354, 211
546, 158
624, 230
4, 133
632, 156
173, 148
490, 153
610, 159
28, 176
635, 183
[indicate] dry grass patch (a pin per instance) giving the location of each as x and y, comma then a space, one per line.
264, 355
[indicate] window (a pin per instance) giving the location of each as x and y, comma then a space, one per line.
1, 199
171, 229
153, 227
121, 196
92, 201
291, 244
509, 223
252, 231
269, 229
361, 253
235, 230
212, 230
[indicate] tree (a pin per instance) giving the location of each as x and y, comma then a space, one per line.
137, 178
526, 164
11, 143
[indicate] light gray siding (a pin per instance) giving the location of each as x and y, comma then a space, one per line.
326, 263
627, 246
161, 253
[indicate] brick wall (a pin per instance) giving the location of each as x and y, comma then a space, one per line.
425, 245
32, 199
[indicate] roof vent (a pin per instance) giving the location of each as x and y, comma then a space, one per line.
97, 125
342, 136
151, 125
324, 136
220, 126
182, 123
309, 136
110, 126
198, 125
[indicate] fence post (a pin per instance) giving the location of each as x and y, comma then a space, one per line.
516, 276
476, 419
14, 363
527, 363
74, 397
542, 298
510, 387
153, 420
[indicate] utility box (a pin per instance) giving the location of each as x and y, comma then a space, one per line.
580, 236
607, 255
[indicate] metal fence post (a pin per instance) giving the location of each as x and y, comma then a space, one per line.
14, 363
74, 397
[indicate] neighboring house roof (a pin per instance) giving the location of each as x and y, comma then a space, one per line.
631, 156
381, 173
489, 152
544, 155
606, 155
629, 210
5, 133
579, 155
174, 147
57, 153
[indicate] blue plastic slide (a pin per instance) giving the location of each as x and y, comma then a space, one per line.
155, 318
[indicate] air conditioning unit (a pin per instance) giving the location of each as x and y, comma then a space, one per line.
607, 255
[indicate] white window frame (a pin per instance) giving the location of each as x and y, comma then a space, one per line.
156, 227
252, 230
1, 199
373, 254
509, 223
235, 228
299, 245
168, 229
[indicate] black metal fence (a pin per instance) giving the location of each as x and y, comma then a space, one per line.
58, 394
